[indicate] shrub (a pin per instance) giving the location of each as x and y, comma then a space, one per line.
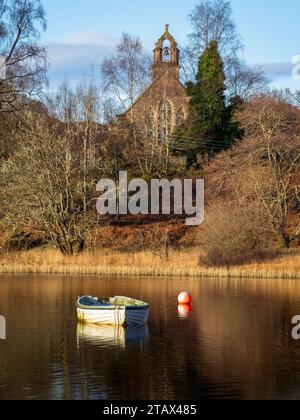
233, 234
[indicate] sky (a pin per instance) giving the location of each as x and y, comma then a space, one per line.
82, 32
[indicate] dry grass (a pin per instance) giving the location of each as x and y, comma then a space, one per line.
180, 264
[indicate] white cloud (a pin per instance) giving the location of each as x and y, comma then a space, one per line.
280, 74
72, 57
279, 69
89, 38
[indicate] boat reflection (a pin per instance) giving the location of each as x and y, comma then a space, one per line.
2, 328
110, 335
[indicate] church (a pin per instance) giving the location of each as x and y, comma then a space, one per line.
164, 105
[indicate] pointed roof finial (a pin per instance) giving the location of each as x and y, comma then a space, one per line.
166, 36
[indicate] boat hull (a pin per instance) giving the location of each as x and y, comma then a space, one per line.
114, 316
135, 316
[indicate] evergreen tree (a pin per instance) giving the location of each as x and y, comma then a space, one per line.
210, 127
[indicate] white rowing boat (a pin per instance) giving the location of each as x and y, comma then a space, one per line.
118, 310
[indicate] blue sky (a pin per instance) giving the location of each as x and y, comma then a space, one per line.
82, 32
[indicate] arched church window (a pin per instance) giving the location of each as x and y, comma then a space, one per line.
165, 120
180, 117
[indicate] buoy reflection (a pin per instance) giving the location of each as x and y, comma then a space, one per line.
184, 311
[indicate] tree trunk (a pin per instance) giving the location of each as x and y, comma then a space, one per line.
285, 240
81, 246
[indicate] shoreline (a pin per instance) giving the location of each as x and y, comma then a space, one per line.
121, 272
110, 263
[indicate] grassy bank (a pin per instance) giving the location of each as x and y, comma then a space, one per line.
180, 264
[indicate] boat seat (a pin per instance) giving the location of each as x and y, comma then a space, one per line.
88, 301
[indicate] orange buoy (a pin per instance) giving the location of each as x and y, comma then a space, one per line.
184, 298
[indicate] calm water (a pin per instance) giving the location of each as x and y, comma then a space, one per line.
236, 342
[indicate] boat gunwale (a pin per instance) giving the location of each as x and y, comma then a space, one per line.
110, 307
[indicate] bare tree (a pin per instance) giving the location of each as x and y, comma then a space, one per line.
242, 81
269, 115
265, 167
37, 185
81, 111
288, 95
127, 73
272, 176
48, 183
23, 60
212, 20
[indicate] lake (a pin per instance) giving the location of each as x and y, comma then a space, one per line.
234, 343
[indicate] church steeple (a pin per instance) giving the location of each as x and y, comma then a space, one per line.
166, 55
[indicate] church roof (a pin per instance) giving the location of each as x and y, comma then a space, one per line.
152, 85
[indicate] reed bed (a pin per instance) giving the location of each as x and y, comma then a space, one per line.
179, 264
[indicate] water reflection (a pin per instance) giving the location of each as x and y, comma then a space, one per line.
2, 328
236, 343
110, 335
184, 311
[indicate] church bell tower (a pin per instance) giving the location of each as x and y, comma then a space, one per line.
166, 55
